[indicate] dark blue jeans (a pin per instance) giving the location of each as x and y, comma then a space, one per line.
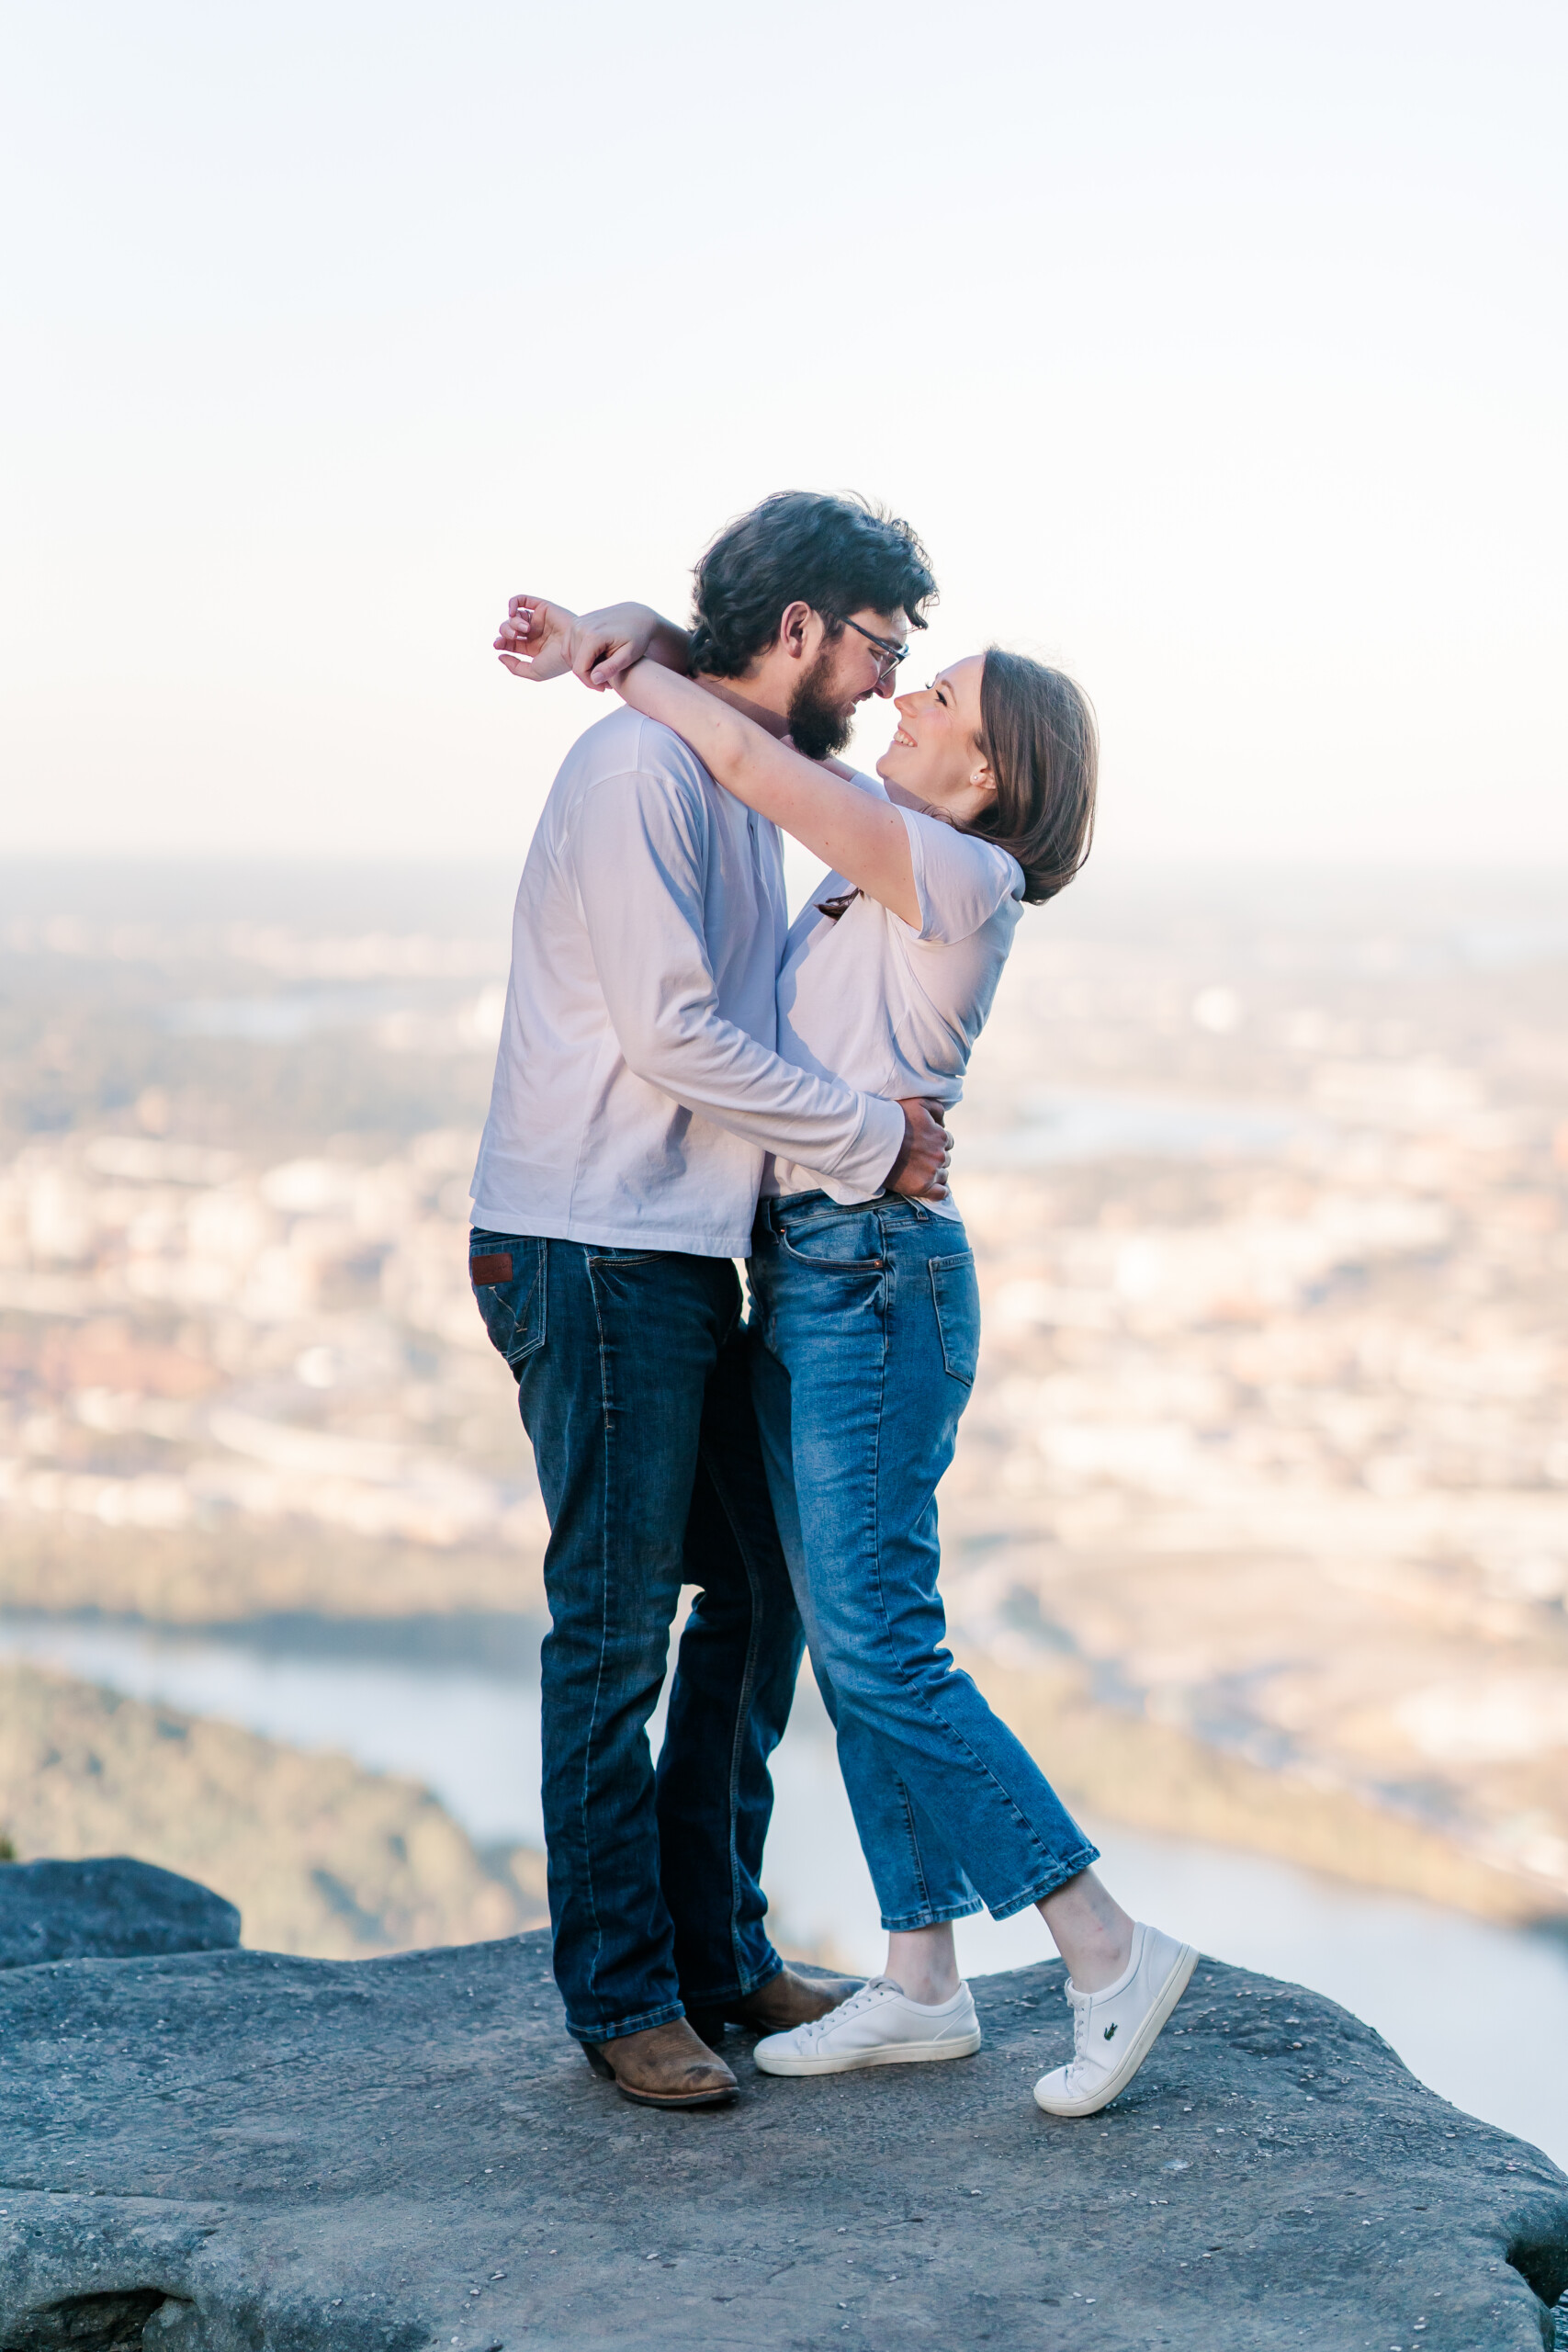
634, 1384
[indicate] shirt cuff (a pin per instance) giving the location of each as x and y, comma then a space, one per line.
865, 1169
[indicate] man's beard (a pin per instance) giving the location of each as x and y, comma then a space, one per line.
819, 728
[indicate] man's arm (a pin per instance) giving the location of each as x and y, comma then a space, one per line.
638, 857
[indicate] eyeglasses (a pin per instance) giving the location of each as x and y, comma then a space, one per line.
891, 654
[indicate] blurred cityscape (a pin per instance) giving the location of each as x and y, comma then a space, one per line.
1266, 1474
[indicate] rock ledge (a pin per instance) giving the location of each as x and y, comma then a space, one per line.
233, 2152
110, 1909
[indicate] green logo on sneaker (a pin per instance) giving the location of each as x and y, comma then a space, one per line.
1109, 2031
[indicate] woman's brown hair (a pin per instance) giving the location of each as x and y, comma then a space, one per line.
1039, 735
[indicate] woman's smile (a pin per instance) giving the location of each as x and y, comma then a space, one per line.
938, 748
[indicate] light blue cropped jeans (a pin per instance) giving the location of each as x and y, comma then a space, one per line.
865, 1335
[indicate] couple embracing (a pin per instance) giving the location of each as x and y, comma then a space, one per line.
684, 1078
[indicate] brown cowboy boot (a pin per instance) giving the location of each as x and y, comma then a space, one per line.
785, 2000
666, 2065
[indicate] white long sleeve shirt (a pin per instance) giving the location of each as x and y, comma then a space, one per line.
636, 1088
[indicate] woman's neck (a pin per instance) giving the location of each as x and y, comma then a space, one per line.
896, 792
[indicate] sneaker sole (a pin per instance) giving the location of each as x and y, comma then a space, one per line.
1137, 2050
887, 2053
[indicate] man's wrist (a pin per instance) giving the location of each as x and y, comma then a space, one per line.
671, 648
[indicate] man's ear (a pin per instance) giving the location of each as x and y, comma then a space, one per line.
794, 622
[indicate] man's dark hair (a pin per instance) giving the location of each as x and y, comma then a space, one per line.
838, 555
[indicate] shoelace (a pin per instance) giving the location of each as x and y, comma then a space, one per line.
858, 2000
1080, 2030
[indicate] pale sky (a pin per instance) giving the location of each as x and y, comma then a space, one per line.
1217, 352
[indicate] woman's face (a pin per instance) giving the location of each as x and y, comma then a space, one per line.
936, 756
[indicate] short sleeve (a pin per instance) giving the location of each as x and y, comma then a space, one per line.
960, 880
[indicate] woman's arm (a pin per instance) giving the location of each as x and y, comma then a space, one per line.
539, 641
863, 838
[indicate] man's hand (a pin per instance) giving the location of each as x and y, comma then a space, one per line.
919, 1172
534, 640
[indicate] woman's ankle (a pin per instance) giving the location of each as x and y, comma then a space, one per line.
1095, 1968
1090, 1930
923, 1964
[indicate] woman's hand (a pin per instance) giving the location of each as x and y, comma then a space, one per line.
536, 638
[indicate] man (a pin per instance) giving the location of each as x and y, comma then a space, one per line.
636, 1091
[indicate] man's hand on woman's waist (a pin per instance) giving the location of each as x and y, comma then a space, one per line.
919, 1172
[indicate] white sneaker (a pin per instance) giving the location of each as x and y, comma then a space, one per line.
1113, 2031
878, 2026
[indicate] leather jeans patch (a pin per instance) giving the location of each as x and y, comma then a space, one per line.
494, 1266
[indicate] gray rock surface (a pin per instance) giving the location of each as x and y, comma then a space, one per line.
236, 2149
110, 1907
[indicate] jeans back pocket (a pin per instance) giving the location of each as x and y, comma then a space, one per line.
956, 1296
510, 1275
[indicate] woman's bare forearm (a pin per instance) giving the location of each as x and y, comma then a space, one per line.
861, 836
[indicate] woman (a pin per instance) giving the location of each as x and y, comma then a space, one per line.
867, 1320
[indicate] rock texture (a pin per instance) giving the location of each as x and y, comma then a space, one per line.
108, 1908
320, 1855
239, 2150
